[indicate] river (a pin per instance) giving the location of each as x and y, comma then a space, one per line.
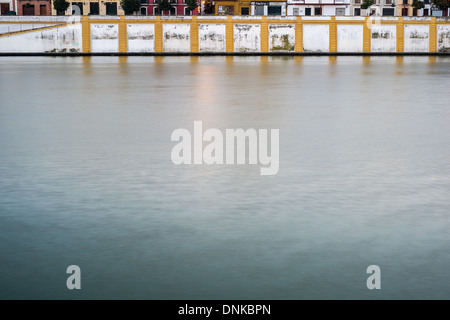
86, 178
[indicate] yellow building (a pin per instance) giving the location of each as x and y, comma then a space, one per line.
92, 7
250, 8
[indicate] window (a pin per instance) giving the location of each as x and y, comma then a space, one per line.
274, 11
259, 10
28, 10
357, 11
388, 1
93, 8
296, 11
187, 12
404, 12
156, 1
357, 2
245, 11
425, 12
405, 1
155, 11
144, 1
111, 8
173, 1
43, 10
143, 11
307, 11
388, 11
317, 11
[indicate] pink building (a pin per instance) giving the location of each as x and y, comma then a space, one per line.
150, 8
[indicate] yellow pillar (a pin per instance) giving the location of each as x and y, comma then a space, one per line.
194, 34
299, 35
333, 35
264, 35
400, 35
158, 35
86, 34
367, 34
123, 37
433, 35
229, 35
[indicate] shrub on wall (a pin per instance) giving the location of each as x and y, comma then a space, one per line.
130, 6
417, 4
366, 4
441, 4
60, 5
191, 4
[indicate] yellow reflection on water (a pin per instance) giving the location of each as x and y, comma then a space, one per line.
298, 60
399, 65
87, 65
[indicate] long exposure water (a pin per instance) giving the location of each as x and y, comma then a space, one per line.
86, 178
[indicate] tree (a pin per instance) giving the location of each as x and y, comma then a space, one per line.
130, 6
191, 5
442, 4
60, 5
164, 5
366, 4
417, 4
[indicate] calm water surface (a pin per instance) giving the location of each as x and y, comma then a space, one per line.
86, 178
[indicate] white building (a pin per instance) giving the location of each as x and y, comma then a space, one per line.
318, 7
7, 5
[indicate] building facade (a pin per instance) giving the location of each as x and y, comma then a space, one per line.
179, 8
7, 6
34, 7
92, 7
319, 7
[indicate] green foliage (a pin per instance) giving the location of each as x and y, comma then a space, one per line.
130, 6
417, 4
441, 4
164, 5
367, 3
60, 5
191, 4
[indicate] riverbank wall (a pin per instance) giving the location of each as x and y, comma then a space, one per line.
223, 35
